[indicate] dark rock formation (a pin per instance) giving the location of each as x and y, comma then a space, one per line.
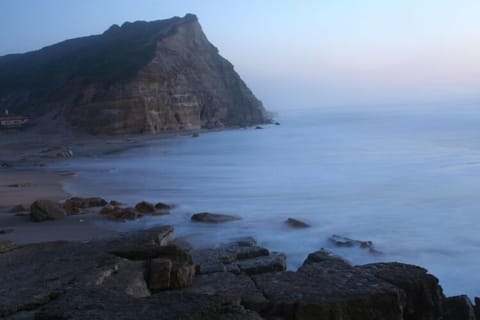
141, 77
213, 217
294, 223
458, 308
42, 210
132, 277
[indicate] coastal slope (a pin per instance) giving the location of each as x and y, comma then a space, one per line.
141, 77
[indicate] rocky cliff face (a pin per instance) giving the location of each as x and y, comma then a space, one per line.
138, 78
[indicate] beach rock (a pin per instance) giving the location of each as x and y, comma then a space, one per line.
297, 224
82, 304
236, 288
477, 307
274, 262
458, 308
7, 245
195, 135
325, 259
4, 164
277, 123
159, 274
121, 214
77, 202
42, 210
258, 127
424, 296
163, 207
182, 268
341, 241
20, 185
5, 231
213, 217
115, 203
128, 278
18, 208
329, 293
145, 207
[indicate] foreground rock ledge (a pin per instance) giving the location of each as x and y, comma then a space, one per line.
142, 275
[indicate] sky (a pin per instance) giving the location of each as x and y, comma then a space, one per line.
298, 53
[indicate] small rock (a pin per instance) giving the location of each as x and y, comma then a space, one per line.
341, 241
145, 207
5, 231
18, 208
7, 245
163, 206
115, 203
42, 210
4, 164
20, 185
73, 205
277, 123
195, 135
458, 308
258, 127
213, 217
125, 214
294, 223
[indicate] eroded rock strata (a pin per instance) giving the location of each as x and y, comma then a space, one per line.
144, 275
141, 77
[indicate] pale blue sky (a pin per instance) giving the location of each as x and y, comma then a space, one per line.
301, 53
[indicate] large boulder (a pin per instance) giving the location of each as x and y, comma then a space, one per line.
42, 210
424, 296
458, 308
477, 307
145, 207
213, 217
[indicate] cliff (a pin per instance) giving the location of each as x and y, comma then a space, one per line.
142, 77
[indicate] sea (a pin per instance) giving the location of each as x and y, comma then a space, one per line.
406, 178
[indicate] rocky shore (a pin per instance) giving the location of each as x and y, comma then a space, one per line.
148, 274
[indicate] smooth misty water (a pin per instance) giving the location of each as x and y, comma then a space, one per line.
407, 180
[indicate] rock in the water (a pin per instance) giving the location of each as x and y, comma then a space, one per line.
121, 214
42, 210
277, 123
7, 245
163, 207
294, 223
424, 296
458, 308
20, 185
258, 127
326, 259
195, 135
5, 231
18, 208
145, 207
73, 205
341, 241
213, 217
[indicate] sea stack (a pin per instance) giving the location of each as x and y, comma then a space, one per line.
141, 77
